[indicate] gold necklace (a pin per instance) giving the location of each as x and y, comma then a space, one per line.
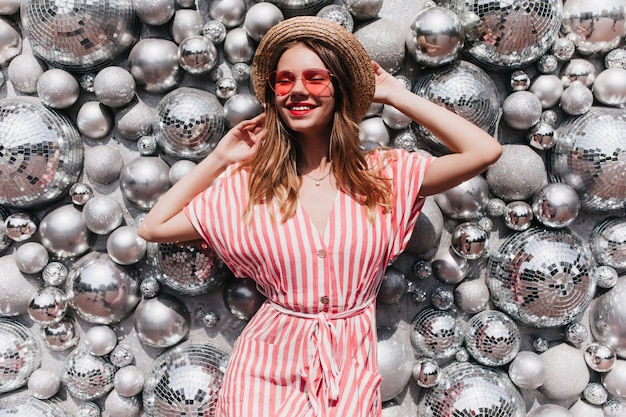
318, 180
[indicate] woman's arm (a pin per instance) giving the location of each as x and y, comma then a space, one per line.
166, 221
473, 149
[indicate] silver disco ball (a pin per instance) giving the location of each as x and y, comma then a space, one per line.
291, 8
608, 242
27, 406
189, 123
464, 89
492, 338
590, 156
185, 381
542, 277
191, 269
77, 35
41, 153
472, 390
437, 334
20, 355
87, 376
511, 33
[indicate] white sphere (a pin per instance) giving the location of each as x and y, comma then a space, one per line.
24, 73
116, 405
31, 257
100, 340
527, 370
44, 383
128, 381
615, 380
125, 246
58, 88
610, 87
549, 410
564, 363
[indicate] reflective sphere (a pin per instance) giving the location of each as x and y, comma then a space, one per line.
488, 25
548, 88
578, 70
125, 246
563, 49
128, 381
373, 129
606, 276
292, 8
31, 257
42, 153
57, 88
467, 390
600, 357
149, 287
60, 336
101, 291
595, 393
395, 362
19, 227
260, 17
48, 306
242, 298
518, 215
102, 214
189, 123
100, 340
88, 409
492, 338
610, 87
608, 242
87, 377
615, 59
114, 86
435, 36
588, 158
547, 64
607, 319
466, 201
464, 89
184, 380
238, 46
162, 321
215, 31
541, 277
240, 107
448, 267
576, 333
80, 193
230, 12
20, 354
147, 145
143, 180
596, 27
394, 118
430, 225
521, 110
197, 54
94, 120
437, 334
154, 64
542, 136
26, 406
526, 370
518, 174
426, 372
54, 274
80, 36
64, 233
520, 81
469, 240
556, 205
44, 383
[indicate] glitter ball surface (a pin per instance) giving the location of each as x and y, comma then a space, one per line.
27, 406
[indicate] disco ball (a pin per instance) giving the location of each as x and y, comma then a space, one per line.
291, 8
189, 123
80, 36
464, 89
608, 242
191, 269
589, 156
86, 376
185, 381
489, 26
20, 355
42, 153
27, 406
595, 26
542, 277
436, 334
492, 338
472, 390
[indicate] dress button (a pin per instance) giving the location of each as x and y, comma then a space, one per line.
324, 300
321, 253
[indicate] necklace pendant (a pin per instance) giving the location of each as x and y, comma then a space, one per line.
317, 183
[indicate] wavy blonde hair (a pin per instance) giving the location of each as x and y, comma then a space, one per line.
274, 169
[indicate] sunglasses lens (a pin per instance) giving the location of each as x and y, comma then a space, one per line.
316, 81
282, 82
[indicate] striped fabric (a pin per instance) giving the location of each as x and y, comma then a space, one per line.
310, 350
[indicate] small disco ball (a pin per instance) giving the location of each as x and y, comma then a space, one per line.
467, 389
608, 242
542, 277
589, 156
291, 8
20, 355
86, 376
436, 334
492, 338
27, 406
464, 89
189, 123
190, 269
185, 381
42, 153
80, 36
489, 24
595, 26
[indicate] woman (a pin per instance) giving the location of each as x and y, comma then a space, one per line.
289, 199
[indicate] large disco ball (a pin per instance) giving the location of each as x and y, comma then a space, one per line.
185, 381
542, 277
596, 26
608, 242
590, 156
41, 153
80, 36
511, 33
28, 406
464, 89
189, 123
20, 355
101, 291
437, 334
191, 269
472, 390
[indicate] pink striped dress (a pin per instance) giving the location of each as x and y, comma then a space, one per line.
310, 350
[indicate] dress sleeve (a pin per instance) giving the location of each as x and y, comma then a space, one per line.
407, 170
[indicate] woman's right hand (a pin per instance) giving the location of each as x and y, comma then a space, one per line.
241, 142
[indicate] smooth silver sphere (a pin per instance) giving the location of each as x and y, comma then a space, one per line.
162, 321
435, 36
260, 18
597, 27
448, 267
48, 306
101, 291
64, 233
430, 224
469, 240
374, 129
128, 381
103, 164
135, 119
87, 377
600, 357
60, 336
607, 320
426, 372
94, 120
100, 340
526, 370
542, 136
578, 69
143, 180
242, 298
58, 88
548, 88
518, 174
519, 81
610, 87
240, 107
102, 214
125, 246
615, 380
238, 46
154, 64
44, 383
31, 257
465, 201
576, 99
394, 118
197, 54
230, 12
521, 110
19, 227
518, 215
114, 86
20, 354
556, 205
80, 193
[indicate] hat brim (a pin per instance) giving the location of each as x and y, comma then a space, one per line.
333, 36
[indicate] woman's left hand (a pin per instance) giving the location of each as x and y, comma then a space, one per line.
386, 85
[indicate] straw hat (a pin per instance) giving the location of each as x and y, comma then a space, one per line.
327, 32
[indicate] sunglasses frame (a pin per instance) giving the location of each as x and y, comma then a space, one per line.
268, 79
